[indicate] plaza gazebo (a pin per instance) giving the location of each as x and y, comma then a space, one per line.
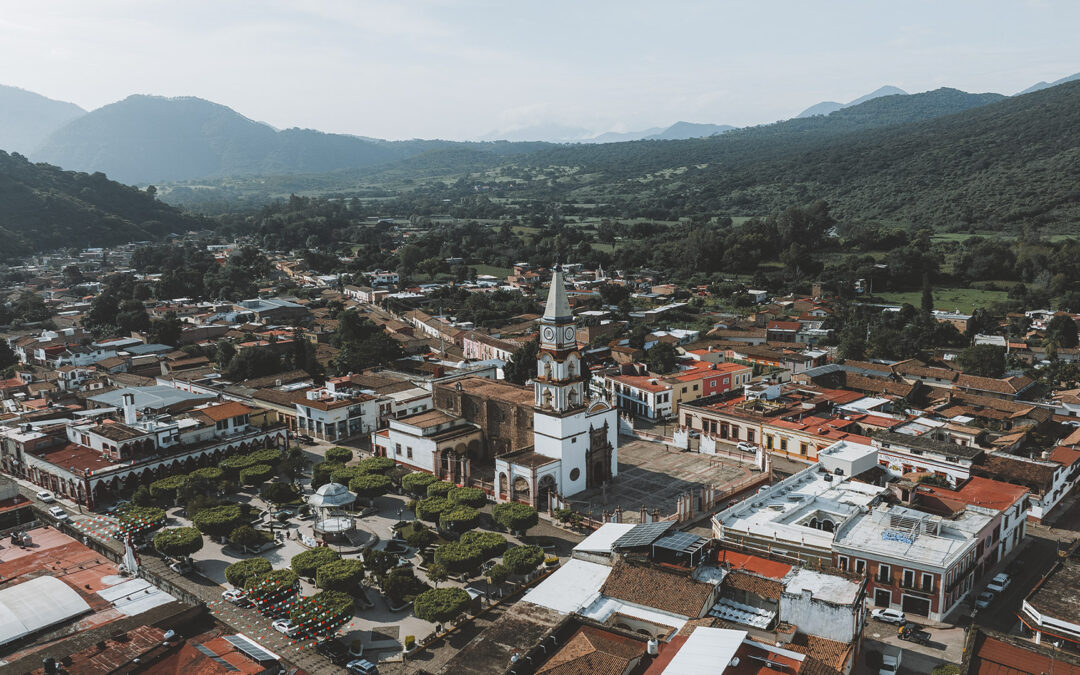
329, 502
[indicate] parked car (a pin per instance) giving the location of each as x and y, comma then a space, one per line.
287, 627
46, 496
999, 583
333, 650
913, 633
746, 447
236, 597
304, 438
984, 599
362, 667
889, 615
890, 663
58, 513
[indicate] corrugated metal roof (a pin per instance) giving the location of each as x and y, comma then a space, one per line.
37, 604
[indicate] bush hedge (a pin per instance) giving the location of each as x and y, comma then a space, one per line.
339, 455
417, 483
341, 575
523, 559
307, 563
440, 605
178, 541
469, 496
219, 521
431, 508
242, 573
439, 488
515, 517
459, 518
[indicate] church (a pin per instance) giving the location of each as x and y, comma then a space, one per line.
477, 422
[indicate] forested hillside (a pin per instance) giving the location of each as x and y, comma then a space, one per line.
43, 207
26, 118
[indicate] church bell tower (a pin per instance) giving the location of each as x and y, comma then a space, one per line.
559, 383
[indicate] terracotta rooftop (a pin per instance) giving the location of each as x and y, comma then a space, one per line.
78, 457
594, 651
752, 563
993, 656
658, 588
979, 491
823, 656
501, 391
224, 411
1038, 476
751, 583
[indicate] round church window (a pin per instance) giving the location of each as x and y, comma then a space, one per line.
575, 474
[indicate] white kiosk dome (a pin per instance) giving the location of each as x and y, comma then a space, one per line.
332, 495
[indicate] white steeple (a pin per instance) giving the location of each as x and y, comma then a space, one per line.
557, 308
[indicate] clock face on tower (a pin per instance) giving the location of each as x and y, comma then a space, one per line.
568, 334
549, 333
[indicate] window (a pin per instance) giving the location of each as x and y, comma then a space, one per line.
695, 387
909, 578
860, 566
750, 435
928, 582
575, 474
884, 574
769, 441
783, 444
408, 450
842, 562
397, 448
803, 447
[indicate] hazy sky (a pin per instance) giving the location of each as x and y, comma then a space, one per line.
464, 68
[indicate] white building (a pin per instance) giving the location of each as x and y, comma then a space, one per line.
903, 453
575, 440
335, 412
431, 441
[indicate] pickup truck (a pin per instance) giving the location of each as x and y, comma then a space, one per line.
999, 583
913, 633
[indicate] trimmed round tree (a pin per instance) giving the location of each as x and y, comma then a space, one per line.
416, 534
307, 563
459, 518
339, 455
345, 474
440, 605
247, 536
431, 508
523, 559
401, 585
439, 488
341, 575
177, 542
469, 496
207, 478
490, 544
459, 558
370, 486
256, 474
322, 612
278, 492
376, 464
264, 456
273, 589
498, 574
243, 572
515, 517
417, 483
135, 519
166, 489
320, 473
233, 465
219, 521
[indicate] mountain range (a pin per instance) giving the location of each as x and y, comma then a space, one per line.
829, 107
27, 119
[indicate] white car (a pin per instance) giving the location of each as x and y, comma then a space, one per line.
889, 616
984, 600
890, 663
746, 447
999, 583
46, 496
286, 626
236, 597
58, 513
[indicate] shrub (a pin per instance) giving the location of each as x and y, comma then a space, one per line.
166, 489
416, 534
241, 573
515, 517
339, 455
376, 464
417, 483
498, 574
946, 669
437, 574
272, 588
459, 518
246, 535
401, 585
178, 541
469, 496
491, 544
340, 575
440, 605
431, 508
322, 612
141, 496
257, 474
219, 521
307, 563
278, 492
320, 474
439, 488
523, 559
370, 486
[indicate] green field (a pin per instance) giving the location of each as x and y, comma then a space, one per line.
500, 272
949, 299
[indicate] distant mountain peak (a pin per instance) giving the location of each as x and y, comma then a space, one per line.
26, 118
829, 107
1046, 85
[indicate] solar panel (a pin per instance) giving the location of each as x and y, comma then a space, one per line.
225, 664
251, 648
642, 535
684, 542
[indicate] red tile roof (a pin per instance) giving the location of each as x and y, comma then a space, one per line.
752, 563
226, 411
1065, 456
996, 657
992, 494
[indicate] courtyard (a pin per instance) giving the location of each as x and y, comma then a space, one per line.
655, 475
